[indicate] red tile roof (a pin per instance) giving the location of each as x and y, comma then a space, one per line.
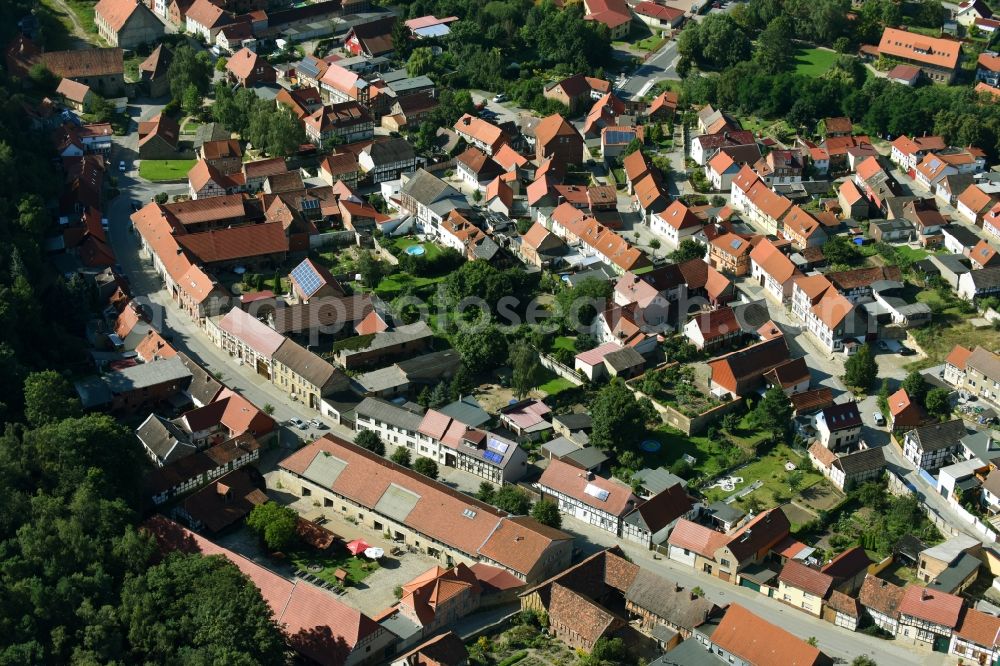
801, 577
573, 482
943, 53
931, 605
235, 243
696, 538
761, 643
979, 628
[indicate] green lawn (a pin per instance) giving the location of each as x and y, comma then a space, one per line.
357, 568
162, 170
564, 342
913, 254
770, 470
553, 383
431, 250
814, 62
391, 286
190, 126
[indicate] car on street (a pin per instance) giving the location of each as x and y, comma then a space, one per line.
499, 97
121, 165
298, 423
878, 418
316, 423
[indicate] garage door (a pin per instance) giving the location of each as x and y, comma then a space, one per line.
749, 583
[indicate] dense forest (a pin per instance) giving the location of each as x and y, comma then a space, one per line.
79, 583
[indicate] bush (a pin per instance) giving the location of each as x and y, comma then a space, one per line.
514, 658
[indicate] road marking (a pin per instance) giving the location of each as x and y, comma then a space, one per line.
645, 88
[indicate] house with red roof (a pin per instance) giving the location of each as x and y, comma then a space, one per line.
246, 69
126, 24
904, 412
615, 14
576, 91
480, 133
730, 253
928, 616
705, 146
742, 637
659, 17
988, 69
712, 329
773, 270
741, 372
557, 140
937, 58
663, 107
803, 587
205, 19
762, 206
600, 502
908, 152
976, 201
977, 637
676, 223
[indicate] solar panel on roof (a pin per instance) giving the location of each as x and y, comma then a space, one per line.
307, 278
492, 457
594, 491
496, 445
735, 243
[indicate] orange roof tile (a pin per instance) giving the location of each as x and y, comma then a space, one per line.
943, 53
761, 643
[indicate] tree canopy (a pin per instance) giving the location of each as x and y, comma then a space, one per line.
274, 523
619, 419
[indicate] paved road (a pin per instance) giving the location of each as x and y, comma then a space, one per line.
661, 65
834, 641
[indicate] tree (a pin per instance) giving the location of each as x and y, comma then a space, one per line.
99, 109
481, 350
421, 61
43, 77
189, 68
577, 306
524, 365
274, 523
863, 660
512, 499
371, 269
401, 456
191, 100
220, 64
486, 492
206, 611
795, 479
860, 369
915, 386
370, 440
461, 383
687, 249
775, 49
49, 398
426, 466
774, 411
547, 513
937, 402
286, 132
619, 420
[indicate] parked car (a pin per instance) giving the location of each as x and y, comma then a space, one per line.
905, 351
298, 423
879, 419
316, 423
121, 165
499, 97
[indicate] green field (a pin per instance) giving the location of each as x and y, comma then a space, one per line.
163, 170
564, 342
814, 62
555, 384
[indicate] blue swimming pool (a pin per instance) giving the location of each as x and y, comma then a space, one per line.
415, 250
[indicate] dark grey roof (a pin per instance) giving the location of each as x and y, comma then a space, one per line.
309, 366
574, 421
394, 149
668, 600
467, 410
939, 436
204, 386
427, 188
657, 480
961, 234
562, 446
599, 273
986, 277
955, 574
210, 132
982, 446
862, 461
624, 358
431, 366
587, 457
726, 513
167, 441
955, 263
386, 412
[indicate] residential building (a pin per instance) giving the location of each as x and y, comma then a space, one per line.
904, 413
975, 637
205, 19
928, 616
557, 140
742, 372
979, 283
154, 71
597, 501
158, 138
803, 587
482, 134
371, 39
839, 426
387, 160
659, 17
614, 14
909, 152
881, 600
988, 69
306, 377
676, 223
931, 446
576, 91
705, 146
246, 69
773, 270
743, 638
951, 566
126, 24
849, 470
650, 523
730, 254
342, 122
134, 388
975, 202
417, 511
937, 58
247, 339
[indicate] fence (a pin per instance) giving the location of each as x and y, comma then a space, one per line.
563, 371
689, 425
331, 238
